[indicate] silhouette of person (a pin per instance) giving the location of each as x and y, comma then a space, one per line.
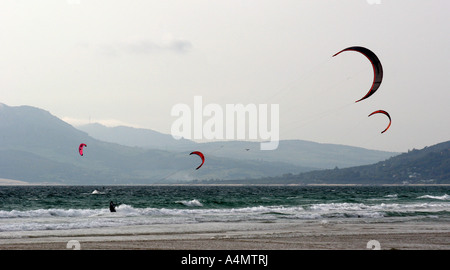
112, 206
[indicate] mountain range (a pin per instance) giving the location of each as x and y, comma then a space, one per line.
304, 154
38, 147
430, 165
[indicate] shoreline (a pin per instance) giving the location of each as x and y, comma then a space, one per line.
306, 235
12, 183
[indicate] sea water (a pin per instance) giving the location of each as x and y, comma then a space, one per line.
50, 208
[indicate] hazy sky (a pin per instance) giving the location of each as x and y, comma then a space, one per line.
130, 62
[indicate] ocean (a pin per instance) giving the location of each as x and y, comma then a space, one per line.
53, 208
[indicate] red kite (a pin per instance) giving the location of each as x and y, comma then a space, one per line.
80, 148
383, 112
377, 68
200, 154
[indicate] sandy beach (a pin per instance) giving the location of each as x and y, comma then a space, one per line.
305, 235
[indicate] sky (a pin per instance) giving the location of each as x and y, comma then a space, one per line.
130, 62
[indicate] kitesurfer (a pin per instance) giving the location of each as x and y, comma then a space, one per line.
112, 206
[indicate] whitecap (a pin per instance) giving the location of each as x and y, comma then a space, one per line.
53, 212
191, 203
443, 197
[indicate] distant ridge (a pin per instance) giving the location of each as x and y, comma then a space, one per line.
38, 147
134, 137
430, 165
306, 154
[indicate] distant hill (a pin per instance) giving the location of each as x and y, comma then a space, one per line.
305, 154
135, 137
38, 147
430, 165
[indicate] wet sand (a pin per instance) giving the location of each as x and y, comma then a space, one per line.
305, 235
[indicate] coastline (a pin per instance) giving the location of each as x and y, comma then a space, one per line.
12, 182
305, 235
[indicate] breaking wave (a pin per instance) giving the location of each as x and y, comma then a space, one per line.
191, 203
443, 197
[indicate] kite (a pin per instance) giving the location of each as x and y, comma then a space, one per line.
200, 154
377, 68
80, 148
383, 112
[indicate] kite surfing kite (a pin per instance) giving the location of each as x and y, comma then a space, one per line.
385, 113
376, 64
200, 154
80, 148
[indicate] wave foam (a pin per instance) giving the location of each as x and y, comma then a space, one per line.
191, 203
57, 219
443, 197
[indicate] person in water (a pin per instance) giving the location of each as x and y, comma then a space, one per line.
112, 206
